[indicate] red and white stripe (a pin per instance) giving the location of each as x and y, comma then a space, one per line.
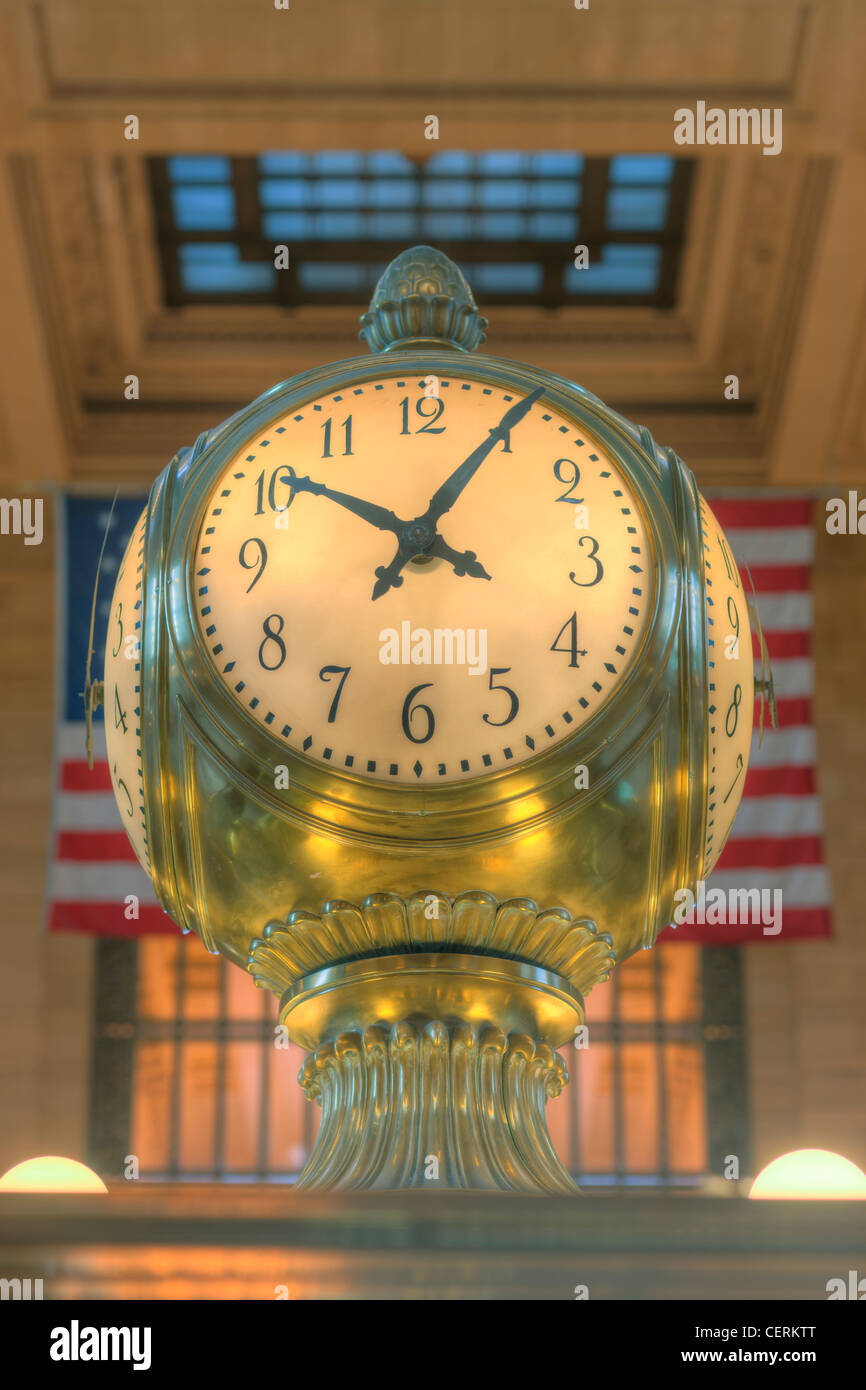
94, 869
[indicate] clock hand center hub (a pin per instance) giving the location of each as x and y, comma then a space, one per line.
418, 536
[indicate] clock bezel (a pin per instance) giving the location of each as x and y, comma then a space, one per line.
501, 799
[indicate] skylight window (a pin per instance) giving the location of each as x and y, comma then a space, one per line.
511, 220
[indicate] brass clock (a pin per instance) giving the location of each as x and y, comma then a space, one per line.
439, 689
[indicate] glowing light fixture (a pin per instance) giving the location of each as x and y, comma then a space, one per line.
810, 1174
51, 1174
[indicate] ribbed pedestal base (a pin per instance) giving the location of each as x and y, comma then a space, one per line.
432, 1025
428, 1104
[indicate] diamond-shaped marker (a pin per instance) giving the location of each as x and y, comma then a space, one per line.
417, 769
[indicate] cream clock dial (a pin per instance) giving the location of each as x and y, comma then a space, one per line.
420, 580
122, 693
730, 669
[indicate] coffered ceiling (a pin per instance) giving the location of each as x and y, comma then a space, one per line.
772, 287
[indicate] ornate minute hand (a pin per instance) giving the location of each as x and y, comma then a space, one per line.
421, 535
444, 498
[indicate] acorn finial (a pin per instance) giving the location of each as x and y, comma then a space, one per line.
422, 299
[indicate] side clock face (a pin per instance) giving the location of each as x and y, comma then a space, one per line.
422, 580
122, 693
730, 670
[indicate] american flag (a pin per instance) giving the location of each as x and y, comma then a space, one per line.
93, 868
776, 838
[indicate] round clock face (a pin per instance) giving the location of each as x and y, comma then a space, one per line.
422, 580
122, 693
730, 670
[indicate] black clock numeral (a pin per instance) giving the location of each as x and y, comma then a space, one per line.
424, 710
599, 568
733, 709
118, 618
121, 783
739, 767
325, 675
272, 636
346, 427
732, 641
730, 566
573, 650
428, 416
281, 474
119, 712
557, 473
506, 690
256, 564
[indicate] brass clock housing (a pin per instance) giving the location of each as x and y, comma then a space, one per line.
231, 852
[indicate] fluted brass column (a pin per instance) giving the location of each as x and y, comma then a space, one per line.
432, 1026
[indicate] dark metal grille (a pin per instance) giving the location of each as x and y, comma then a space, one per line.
511, 220
187, 1078
659, 1097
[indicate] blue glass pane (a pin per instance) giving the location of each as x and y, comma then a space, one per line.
199, 168
284, 193
641, 168
503, 162
392, 193
392, 225
450, 162
503, 193
518, 277
319, 276
556, 162
637, 209
203, 208
287, 226
506, 226
448, 226
218, 269
283, 162
621, 270
340, 226
545, 193
553, 226
448, 193
338, 162
338, 193
388, 162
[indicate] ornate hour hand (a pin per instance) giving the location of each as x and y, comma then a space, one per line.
445, 497
414, 537
379, 517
